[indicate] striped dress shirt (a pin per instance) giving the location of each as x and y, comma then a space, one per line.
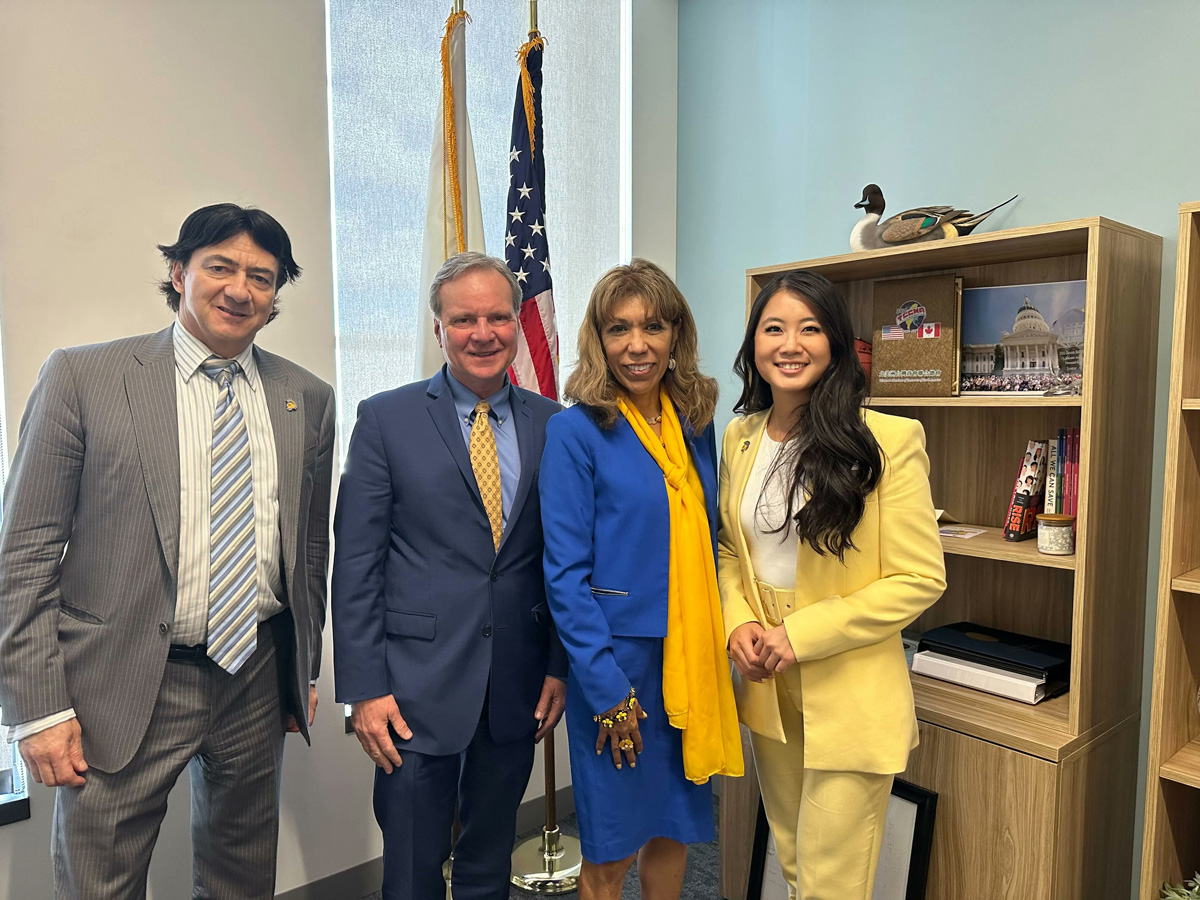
195, 402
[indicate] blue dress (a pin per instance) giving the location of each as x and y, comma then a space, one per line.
606, 526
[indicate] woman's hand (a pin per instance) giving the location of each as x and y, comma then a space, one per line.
743, 654
774, 649
623, 736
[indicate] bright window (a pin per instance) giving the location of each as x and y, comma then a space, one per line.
385, 75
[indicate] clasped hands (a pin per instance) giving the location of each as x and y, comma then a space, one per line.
371, 719
758, 653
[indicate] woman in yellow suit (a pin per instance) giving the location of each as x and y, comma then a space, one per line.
828, 547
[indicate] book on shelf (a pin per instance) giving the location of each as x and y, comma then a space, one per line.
1053, 490
914, 336
990, 679
1007, 650
1028, 493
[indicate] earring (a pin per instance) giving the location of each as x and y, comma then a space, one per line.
671, 364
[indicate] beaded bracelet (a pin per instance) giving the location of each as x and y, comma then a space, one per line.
620, 715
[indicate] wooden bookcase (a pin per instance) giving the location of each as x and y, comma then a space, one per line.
1171, 840
1034, 802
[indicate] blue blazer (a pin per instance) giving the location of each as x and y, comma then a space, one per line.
423, 606
607, 524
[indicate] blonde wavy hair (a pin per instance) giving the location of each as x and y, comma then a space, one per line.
593, 384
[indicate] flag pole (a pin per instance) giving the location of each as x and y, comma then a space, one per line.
548, 863
533, 29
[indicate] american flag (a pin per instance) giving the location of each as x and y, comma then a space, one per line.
892, 333
525, 247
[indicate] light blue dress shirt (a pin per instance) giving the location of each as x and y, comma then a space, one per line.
503, 427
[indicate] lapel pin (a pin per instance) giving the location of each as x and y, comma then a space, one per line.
745, 446
290, 405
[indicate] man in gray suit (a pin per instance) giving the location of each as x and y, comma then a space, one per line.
162, 572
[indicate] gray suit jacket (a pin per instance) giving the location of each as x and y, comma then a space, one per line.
89, 545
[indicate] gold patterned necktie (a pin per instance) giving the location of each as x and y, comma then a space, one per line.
486, 464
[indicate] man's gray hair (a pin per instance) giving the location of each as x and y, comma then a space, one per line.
468, 261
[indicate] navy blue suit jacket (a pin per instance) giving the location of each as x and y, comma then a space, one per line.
423, 606
607, 521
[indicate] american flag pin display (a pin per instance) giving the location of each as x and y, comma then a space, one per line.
290, 405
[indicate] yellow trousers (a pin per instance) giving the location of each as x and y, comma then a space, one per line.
828, 826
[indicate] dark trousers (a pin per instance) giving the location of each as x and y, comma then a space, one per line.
415, 810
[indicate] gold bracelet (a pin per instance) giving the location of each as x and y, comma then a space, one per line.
621, 714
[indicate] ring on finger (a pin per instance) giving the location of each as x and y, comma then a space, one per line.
626, 744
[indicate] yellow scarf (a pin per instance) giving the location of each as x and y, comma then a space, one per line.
697, 690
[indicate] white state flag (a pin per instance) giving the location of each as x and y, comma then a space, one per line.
442, 231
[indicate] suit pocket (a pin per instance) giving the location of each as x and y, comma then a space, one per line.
608, 592
415, 625
81, 615
541, 614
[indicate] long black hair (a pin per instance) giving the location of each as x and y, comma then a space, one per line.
831, 454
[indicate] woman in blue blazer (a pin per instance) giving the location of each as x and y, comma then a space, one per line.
628, 486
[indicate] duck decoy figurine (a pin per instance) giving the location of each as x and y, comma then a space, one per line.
922, 223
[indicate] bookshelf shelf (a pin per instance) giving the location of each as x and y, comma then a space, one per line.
1189, 582
1059, 774
978, 400
1042, 729
992, 545
1184, 766
1171, 835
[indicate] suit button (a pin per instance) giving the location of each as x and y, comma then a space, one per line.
494, 577
487, 630
163, 628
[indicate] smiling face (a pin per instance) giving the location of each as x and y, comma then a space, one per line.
227, 293
791, 350
637, 347
477, 329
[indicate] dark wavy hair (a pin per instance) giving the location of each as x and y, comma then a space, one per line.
832, 455
217, 223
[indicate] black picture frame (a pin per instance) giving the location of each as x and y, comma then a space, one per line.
921, 847
920, 852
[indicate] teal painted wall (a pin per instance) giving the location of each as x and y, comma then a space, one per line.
787, 108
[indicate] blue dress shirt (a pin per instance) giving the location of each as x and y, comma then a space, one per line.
503, 428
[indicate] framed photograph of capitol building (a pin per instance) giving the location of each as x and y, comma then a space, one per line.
1023, 338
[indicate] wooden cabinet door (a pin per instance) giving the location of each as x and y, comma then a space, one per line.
994, 829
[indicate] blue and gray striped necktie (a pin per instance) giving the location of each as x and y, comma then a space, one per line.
232, 568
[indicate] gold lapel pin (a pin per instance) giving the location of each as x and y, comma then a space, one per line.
290, 405
745, 446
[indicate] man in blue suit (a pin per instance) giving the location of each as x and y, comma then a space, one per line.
443, 642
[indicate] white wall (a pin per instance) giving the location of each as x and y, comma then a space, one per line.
655, 95
116, 120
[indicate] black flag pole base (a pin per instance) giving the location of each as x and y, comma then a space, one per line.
547, 863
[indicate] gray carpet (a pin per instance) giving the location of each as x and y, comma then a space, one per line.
699, 883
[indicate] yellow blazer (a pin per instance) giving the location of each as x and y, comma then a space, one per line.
845, 627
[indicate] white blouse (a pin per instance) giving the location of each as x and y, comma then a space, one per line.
773, 555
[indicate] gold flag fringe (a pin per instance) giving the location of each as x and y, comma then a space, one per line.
450, 142
536, 40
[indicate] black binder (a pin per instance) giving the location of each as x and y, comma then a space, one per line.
1003, 649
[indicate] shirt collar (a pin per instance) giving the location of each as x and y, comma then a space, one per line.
465, 399
190, 354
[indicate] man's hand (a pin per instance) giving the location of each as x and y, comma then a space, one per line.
290, 723
55, 756
550, 706
774, 649
370, 719
743, 654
